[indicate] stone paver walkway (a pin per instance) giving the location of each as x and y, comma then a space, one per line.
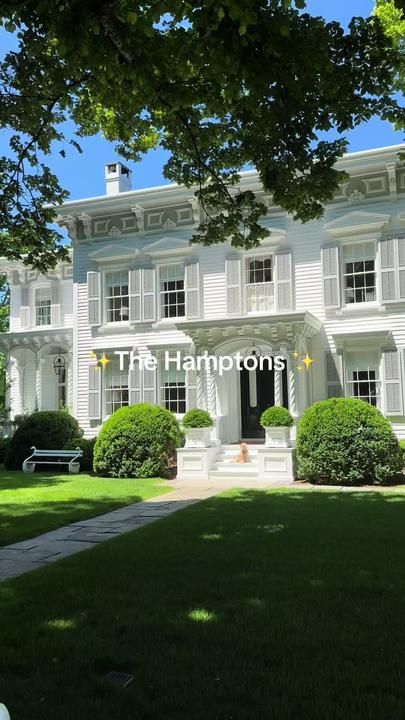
27, 555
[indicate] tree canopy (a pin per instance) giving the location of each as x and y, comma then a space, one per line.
222, 85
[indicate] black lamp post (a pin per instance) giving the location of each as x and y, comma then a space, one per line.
59, 364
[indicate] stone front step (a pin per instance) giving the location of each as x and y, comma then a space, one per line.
222, 463
227, 474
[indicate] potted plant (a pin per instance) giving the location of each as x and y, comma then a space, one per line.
277, 422
197, 426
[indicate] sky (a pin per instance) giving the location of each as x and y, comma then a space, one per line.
83, 175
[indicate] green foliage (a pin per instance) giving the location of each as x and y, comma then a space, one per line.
276, 417
47, 430
402, 447
345, 441
137, 441
85, 444
219, 86
4, 445
392, 18
197, 418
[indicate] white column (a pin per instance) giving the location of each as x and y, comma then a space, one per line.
292, 403
21, 387
278, 400
38, 382
69, 383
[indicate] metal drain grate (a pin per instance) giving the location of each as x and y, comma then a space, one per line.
119, 678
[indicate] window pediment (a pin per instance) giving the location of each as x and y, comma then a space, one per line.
169, 245
357, 223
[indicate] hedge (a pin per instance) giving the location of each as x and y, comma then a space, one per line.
137, 441
345, 441
47, 430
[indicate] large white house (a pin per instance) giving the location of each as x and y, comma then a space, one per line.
333, 289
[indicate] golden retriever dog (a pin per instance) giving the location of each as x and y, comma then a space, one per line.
243, 455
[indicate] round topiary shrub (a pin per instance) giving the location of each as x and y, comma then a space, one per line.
344, 441
196, 418
87, 445
4, 446
137, 441
276, 417
47, 430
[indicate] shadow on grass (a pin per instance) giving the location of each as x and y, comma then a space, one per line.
252, 604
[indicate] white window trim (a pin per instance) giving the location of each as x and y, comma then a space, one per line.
378, 368
369, 303
159, 394
33, 308
245, 257
158, 299
103, 299
104, 414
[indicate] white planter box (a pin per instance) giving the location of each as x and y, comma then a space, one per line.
195, 463
277, 437
276, 464
198, 437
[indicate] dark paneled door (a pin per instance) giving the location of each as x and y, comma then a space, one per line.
255, 400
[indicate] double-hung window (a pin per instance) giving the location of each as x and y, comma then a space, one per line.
259, 284
172, 296
42, 306
363, 376
359, 273
116, 387
173, 390
117, 296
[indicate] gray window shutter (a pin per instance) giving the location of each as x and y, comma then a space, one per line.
392, 383
387, 266
192, 287
55, 304
149, 386
191, 389
334, 375
401, 268
330, 276
25, 307
283, 275
94, 392
135, 281
233, 273
149, 294
135, 385
94, 298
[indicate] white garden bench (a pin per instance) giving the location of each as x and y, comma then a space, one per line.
53, 457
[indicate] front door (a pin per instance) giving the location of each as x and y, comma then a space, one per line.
257, 394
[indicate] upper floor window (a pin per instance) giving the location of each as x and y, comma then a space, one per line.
117, 296
172, 296
42, 306
359, 273
173, 390
116, 387
259, 284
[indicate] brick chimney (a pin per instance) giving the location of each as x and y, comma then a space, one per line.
117, 178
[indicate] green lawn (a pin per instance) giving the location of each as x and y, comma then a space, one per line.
33, 504
285, 605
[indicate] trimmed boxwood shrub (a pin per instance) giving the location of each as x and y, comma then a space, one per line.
137, 441
344, 441
276, 417
47, 430
4, 445
196, 418
87, 445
